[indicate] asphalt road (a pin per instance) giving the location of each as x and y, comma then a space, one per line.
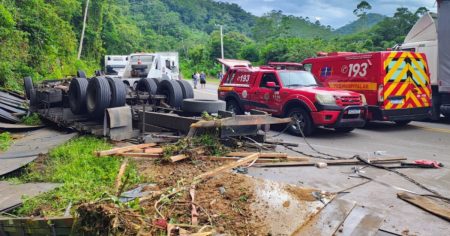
418, 140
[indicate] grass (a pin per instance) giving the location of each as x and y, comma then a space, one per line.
5, 141
32, 119
83, 176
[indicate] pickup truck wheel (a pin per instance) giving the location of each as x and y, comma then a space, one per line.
233, 106
402, 122
302, 121
344, 129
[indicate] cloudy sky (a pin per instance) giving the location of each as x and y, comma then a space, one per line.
330, 12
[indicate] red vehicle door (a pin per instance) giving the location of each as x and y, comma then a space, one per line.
265, 97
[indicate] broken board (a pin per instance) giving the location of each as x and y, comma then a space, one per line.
328, 220
284, 208
433, 205
361, 221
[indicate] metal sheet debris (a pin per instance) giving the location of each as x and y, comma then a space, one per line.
11, 194
26, 149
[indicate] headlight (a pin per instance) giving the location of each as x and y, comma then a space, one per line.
363, 99
326, 99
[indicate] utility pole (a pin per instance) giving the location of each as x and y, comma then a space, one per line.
80, 48
221, 47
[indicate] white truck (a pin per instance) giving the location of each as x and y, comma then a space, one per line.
115, 64
133, 67
433, 38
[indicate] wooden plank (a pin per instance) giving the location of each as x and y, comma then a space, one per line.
178, 158
432, 205
328, 220
261, 154
298, 158
154, 150
361, 221
260, 160
195, 151
139, 154
124, 149
122, 169
334, 162
228, 166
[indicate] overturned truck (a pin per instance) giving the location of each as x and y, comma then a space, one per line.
107, 106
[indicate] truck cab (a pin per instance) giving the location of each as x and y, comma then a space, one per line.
290, 93
159, 65
115, 64
396, 84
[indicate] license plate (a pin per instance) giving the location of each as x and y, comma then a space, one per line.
397, 101
354, 112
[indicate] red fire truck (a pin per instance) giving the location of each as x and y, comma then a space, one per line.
395, 84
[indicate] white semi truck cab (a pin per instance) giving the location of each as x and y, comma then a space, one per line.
115, 64
158, 65
432, 38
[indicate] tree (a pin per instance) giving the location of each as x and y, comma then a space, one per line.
362, 8
421, 11
361, 11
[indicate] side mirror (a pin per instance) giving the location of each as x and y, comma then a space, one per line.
272, 85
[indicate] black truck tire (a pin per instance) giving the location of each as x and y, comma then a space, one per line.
147, 85
157, 81
81, 74
33, 98
118, 92
172, 90
191, 105
28, 84
186, 88
98, 97
77, 95
305, 121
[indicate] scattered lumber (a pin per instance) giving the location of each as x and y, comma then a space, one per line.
153, 150
188, 154
194, 213
122, 169
139, 154
378, 160
434, 206
119, 150
262, 154
228, 166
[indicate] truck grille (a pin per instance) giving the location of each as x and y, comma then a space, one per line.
348, 101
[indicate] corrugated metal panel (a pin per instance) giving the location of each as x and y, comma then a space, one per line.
424, 30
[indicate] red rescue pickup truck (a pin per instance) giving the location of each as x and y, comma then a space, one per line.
290, 93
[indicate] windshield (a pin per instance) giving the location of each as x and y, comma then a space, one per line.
144, 59
297, 78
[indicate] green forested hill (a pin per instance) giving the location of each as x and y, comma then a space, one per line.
40, 37
364, 23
